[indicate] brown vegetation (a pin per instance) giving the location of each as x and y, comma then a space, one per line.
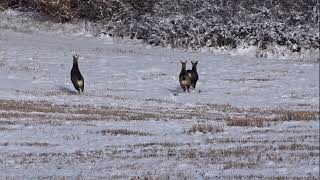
254, 117
127, 132
273, 116
205, 128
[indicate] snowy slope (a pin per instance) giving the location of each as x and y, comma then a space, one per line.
36, 65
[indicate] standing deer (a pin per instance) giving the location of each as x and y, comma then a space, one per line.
193, 74
76, 77
184, 79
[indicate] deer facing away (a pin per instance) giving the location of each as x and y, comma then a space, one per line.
76, 77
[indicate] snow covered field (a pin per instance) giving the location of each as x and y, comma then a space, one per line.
248, 117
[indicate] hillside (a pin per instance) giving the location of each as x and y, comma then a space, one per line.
273, 28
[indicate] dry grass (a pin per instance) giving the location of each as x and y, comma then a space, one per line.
235, 140
266, 119
127, 132
296, 146
20, 109
182, 175
249, 150
205, 128
255, 117
249, 79
7, 128
247, 121
297, 115
38, 144
266, 177
239, 165
163, 144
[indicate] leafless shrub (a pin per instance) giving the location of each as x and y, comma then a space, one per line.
205, 128
116, 132
188, 24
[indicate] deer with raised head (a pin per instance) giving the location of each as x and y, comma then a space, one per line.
193, 74
184, 79
76, 77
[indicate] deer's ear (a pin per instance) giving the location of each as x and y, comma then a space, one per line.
76, 56
183, 62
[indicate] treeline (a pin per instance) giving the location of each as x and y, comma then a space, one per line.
194, 23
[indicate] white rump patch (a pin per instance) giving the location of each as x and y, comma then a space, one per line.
80, 83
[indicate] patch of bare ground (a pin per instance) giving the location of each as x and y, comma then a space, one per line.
205, 128
127, 132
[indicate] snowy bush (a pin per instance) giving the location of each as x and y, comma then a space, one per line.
226, 24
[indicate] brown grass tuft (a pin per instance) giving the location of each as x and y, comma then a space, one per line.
239, 165
205, 128
265, 119
288, 115
116, 132
247, 121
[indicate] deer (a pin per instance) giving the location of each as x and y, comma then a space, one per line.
184, 79
76, 77
193, 74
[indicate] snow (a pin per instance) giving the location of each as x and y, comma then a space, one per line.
42, 62
35, 64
